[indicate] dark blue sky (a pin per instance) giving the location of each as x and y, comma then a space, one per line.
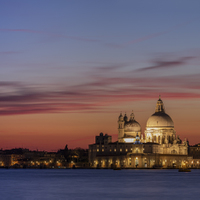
98, 56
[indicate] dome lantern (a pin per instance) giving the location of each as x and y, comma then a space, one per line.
159, 106
132, 116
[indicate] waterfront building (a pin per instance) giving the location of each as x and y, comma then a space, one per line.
195, 151
159, 148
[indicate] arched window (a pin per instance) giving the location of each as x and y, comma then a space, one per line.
173, 152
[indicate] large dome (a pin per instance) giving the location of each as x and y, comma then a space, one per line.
132, 126
160, 119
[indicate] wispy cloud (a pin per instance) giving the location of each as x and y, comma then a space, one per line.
150, 36
95, 96
167, 64
51, 34
105, 85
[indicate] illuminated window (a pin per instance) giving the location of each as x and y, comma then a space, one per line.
97, 150
110, 149
126, 149
114, 149
102, 150
120, 149
102, 145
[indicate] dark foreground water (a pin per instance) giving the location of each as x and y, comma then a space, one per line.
78, 184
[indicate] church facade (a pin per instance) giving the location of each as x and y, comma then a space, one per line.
159, 147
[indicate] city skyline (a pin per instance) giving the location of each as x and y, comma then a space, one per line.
68, 68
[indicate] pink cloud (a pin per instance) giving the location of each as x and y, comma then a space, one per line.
105, 86
85, 100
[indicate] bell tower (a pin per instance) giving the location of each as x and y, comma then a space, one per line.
120, 128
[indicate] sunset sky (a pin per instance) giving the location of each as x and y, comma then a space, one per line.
69, 67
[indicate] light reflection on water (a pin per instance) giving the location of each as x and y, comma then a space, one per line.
30, 184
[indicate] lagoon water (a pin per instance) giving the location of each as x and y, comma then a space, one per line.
99, 184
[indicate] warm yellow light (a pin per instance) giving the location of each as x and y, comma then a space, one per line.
129, 140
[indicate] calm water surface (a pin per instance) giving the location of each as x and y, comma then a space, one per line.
29, 184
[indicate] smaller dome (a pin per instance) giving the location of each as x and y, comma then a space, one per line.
132, 126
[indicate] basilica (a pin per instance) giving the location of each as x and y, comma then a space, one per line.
157, 147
